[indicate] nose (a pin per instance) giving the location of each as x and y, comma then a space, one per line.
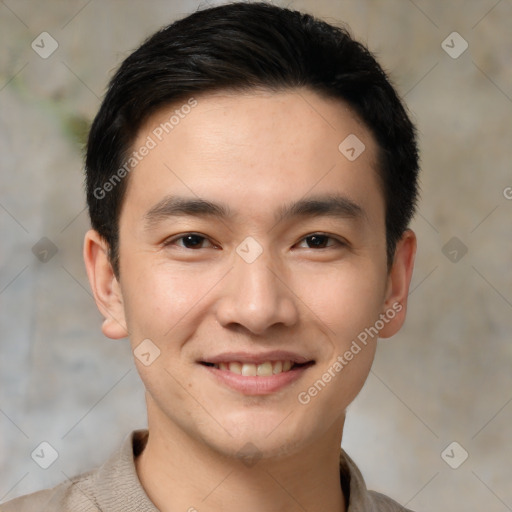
256, 297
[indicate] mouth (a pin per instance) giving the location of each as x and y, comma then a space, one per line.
264, 369
256, 374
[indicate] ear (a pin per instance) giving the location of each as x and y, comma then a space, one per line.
399, 279
104, 285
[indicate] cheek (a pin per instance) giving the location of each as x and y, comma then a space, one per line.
157, 300
346, 300
355, 306
168, 303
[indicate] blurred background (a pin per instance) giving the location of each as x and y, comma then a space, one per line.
431, 427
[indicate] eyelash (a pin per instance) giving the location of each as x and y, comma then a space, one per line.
171, 241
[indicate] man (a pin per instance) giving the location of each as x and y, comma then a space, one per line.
251, 175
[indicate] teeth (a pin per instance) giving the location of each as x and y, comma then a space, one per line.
278, 367
265, 369
235, 368
249, 370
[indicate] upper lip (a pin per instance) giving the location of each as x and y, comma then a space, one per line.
247, 357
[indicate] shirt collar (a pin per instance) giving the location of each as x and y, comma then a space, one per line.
131, 495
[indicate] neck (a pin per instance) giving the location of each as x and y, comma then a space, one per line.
179, 472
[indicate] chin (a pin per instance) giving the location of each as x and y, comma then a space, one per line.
260, 437
250, 449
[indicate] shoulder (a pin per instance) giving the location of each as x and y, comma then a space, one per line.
70, 495
383, 503
360, 498
114, 486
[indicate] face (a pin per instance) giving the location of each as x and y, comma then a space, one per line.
253, 273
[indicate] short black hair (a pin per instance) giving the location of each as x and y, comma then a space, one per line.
241, 47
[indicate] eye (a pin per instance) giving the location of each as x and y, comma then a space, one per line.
319, 241
190, 241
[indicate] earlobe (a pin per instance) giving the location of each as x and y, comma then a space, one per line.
104, 285
399, 280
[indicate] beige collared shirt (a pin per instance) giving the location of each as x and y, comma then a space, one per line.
115, 487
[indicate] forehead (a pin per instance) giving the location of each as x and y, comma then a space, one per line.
253, 150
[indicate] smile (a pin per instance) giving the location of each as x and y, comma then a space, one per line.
256, 378
265, 369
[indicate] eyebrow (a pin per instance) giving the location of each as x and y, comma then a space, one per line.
330, 205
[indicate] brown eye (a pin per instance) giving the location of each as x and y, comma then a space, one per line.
192, 241
320, 241
317, 241
189, 241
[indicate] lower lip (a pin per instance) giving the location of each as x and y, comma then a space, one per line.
256, 385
